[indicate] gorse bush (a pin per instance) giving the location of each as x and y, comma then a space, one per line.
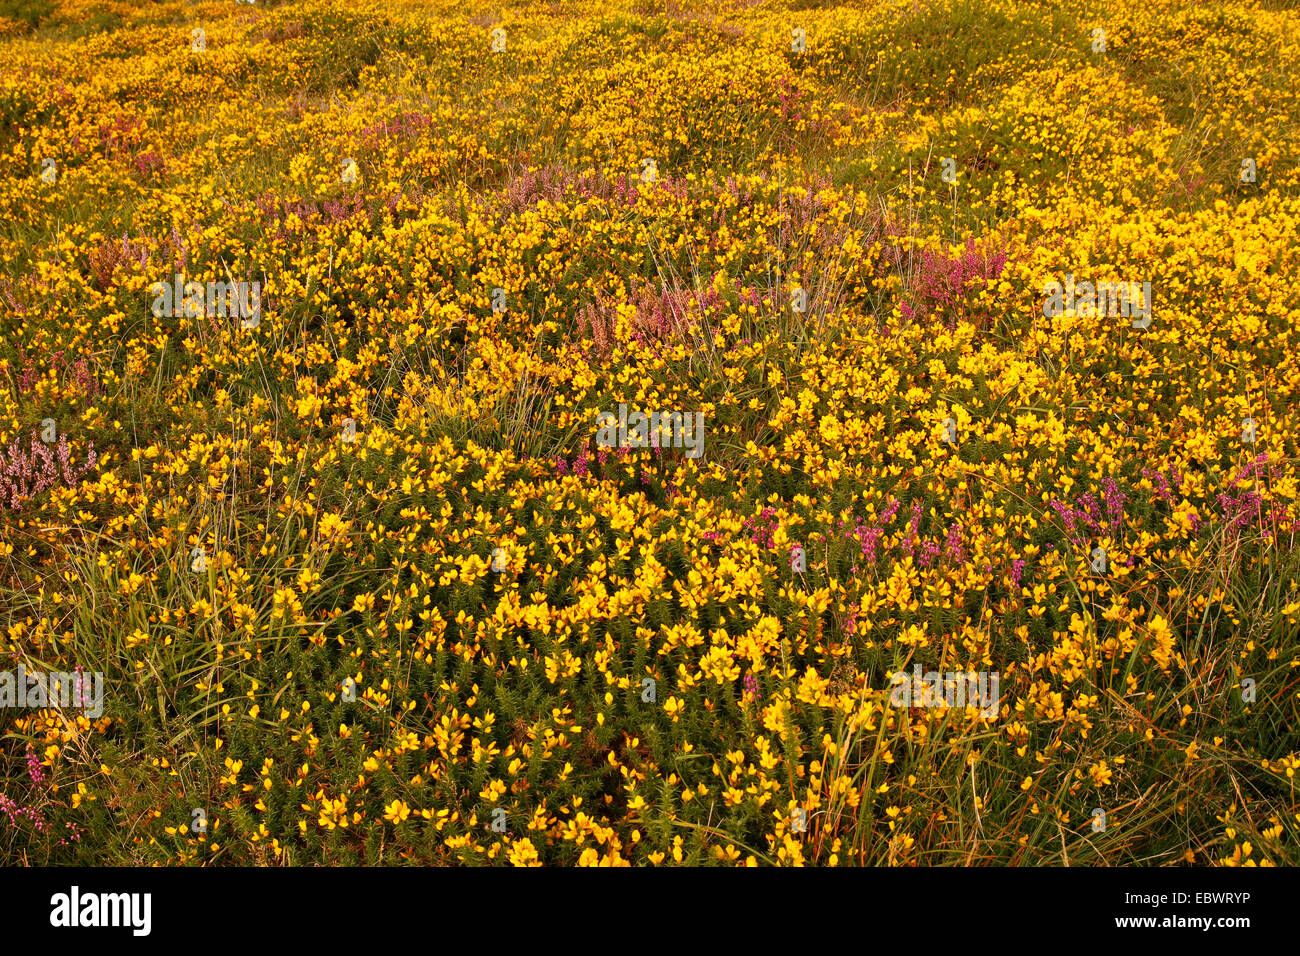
368, 583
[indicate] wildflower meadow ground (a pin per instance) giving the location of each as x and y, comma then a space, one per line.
627, 432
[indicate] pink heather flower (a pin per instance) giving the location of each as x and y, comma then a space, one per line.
891, 509
869, 539
761, 528
913, 527
149, 163
13, 811
952, 547
1114, 500
74, 834
1252, 471
1083, 519
78, 372
27, 473
1161, 483
405, 124
34, 768
84, 379
79, 691
1243, 508
942, 281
